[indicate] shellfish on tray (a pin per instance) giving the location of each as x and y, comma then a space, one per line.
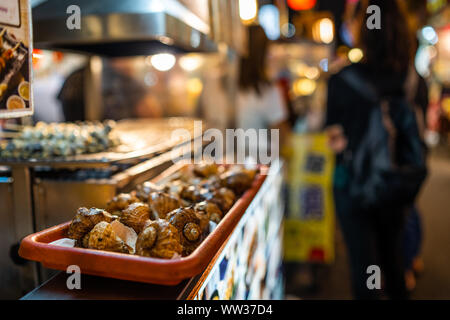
85, 220
210, 209
165, 220
188, 224
238, 180
120, 202
144, 190
135, 216
103, 237
205, 169
194, 193
161, 204
207, 211
224, 198
159, 239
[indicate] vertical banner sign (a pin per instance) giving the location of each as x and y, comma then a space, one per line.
15, 59
309, 227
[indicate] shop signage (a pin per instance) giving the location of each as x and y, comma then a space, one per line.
309, 227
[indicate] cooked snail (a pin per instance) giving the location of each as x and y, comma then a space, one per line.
210, 210
212, 183
205, 169
174, 187
159, 239
187, 223
144, 190
238, 180
85, 241
135, 216
85, 220
204, 221
103, 237
120, 202
224, 198
194, 194
161, 204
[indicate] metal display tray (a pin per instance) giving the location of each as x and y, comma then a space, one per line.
141, 138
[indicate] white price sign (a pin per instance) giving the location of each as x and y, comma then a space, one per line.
10, 12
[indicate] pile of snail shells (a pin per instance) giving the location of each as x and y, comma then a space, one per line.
169, 220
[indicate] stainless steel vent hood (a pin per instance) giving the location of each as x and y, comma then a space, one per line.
121, 27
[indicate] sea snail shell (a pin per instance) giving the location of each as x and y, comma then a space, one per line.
191, 231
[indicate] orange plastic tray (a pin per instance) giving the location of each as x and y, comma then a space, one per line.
132, 267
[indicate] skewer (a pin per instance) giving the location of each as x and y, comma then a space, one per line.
1, 37
9, 52
16, 46
7, 55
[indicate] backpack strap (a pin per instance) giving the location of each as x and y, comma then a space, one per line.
389, 125
369, 92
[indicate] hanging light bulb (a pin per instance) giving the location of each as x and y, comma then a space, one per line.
163, 61
190, 62
326, 32
248, 10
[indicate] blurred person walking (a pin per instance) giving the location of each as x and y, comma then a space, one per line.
380, 161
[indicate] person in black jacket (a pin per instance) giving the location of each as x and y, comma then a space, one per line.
371, 239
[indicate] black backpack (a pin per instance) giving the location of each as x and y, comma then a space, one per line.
388, 167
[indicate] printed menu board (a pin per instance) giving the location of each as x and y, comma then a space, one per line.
15, 59
310, 223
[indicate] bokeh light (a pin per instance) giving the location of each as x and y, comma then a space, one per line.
163, 61
301, 4
304, 87
248, 10
355, 55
